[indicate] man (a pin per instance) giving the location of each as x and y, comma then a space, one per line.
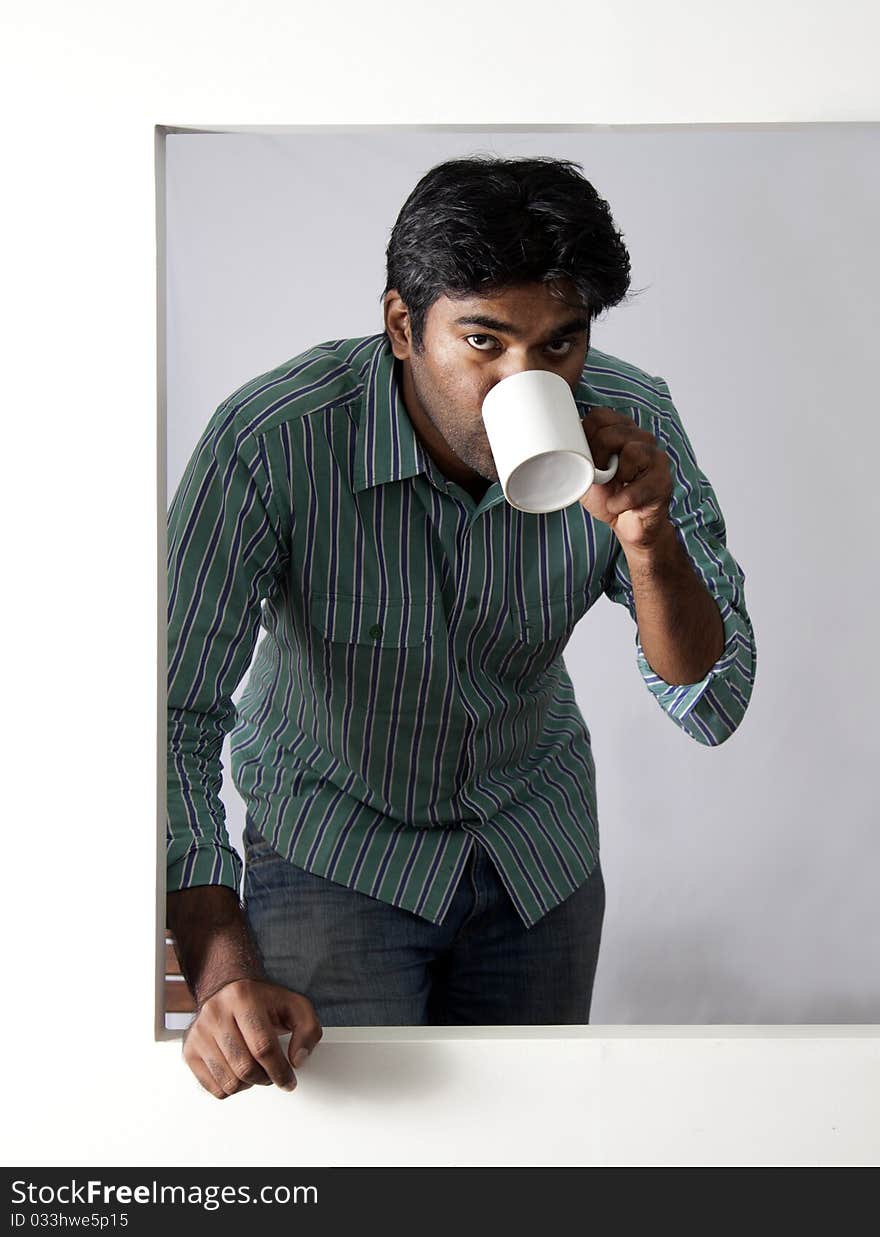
421, 842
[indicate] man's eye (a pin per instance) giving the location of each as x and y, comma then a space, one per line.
558, 347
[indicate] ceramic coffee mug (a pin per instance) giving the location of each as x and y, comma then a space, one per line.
538, 442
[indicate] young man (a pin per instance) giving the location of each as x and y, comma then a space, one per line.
421, 841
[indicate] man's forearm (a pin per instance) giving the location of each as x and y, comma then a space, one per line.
213, 941
680, 626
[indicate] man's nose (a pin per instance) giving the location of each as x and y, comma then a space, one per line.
511, 365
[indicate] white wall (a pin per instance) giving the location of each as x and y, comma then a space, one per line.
85, 1083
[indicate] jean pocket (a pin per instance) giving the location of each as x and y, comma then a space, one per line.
257, 850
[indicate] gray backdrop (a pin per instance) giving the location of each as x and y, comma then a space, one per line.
741, 880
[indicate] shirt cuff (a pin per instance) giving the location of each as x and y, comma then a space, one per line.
715, 705
204, 862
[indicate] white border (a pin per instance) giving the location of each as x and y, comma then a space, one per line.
85, 85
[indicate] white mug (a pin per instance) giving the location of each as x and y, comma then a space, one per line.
539, 443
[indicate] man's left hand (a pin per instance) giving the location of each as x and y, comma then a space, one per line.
635, 502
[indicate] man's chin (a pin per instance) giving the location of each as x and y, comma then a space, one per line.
486, 469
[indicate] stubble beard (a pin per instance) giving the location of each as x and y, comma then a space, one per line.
478, 458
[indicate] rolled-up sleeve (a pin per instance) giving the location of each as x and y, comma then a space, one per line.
227, 550
711, 710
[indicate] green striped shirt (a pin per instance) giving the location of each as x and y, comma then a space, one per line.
409, 698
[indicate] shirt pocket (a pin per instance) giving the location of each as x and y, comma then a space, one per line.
540, 631
546, 619
376, 655
382, 623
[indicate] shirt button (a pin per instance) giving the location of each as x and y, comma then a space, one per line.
461, 663
472, 603
376, 631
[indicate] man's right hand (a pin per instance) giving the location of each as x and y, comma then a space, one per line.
232, 1044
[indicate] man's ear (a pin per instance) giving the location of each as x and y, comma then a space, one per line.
397, 325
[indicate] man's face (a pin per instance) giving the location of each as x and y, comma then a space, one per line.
471, 344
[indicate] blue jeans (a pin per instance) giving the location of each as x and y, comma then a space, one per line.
362, 962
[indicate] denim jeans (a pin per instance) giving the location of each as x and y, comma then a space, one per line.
362, 962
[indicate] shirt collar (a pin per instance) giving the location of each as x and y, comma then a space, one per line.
387, 448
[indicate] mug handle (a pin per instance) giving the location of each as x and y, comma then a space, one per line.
605, 474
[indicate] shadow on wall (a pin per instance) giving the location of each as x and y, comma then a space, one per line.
685, 981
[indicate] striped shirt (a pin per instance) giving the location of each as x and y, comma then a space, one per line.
409, 698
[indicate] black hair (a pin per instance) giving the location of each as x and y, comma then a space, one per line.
481, 224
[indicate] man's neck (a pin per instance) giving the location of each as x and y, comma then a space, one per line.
476, 489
